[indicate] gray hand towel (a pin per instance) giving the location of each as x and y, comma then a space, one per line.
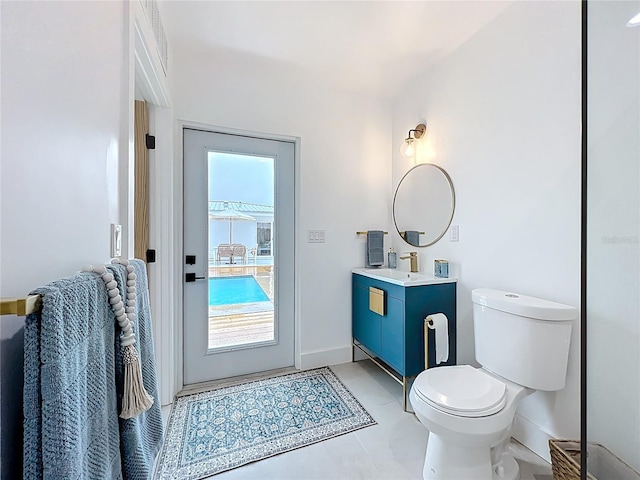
412, 237
375, 248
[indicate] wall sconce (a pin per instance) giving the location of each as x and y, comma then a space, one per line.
408, 147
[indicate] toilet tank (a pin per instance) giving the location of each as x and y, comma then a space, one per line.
523, 339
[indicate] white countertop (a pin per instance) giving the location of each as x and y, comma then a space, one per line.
401, 277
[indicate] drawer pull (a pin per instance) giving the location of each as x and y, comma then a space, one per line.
376, 300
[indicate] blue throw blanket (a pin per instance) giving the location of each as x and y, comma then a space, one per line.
70, 417
140, 437
73, 384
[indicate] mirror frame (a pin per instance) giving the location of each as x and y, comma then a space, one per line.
453, 204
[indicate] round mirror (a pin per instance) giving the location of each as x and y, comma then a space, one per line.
423, 205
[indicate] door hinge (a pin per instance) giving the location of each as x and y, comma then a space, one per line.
150, 141
151, 256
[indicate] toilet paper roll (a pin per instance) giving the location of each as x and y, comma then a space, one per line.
440, 323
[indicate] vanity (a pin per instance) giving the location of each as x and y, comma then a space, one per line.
389, 308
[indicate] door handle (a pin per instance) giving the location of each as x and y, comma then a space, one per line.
191, 277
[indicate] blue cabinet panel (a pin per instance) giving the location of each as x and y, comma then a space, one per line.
367, 329
421, 302
393, 339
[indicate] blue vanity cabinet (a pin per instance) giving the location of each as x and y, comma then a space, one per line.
397, 337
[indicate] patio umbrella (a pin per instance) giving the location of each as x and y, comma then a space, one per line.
231, 216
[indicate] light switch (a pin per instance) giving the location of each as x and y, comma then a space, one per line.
454, 233
116, 240
316, 236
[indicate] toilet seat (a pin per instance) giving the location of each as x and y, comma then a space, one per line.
461, 390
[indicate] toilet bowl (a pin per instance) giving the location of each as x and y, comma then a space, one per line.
469, 413
522, 344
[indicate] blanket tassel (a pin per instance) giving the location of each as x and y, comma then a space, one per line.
135, 399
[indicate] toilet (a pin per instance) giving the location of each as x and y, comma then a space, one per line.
522, 345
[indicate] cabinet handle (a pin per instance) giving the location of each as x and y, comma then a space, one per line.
377, 300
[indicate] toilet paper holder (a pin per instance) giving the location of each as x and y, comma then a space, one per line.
441, 338
427, 323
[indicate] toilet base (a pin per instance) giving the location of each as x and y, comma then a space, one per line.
508, 469
447, 461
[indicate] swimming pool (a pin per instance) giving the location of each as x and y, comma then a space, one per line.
234, 290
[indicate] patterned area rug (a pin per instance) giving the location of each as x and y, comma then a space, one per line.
225, 428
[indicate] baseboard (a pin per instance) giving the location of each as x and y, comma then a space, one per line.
531, 436
323, 358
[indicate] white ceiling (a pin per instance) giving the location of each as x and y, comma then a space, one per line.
367, 46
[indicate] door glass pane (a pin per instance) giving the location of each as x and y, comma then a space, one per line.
241, 214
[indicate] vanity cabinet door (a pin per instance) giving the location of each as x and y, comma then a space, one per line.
365, 323
420, 302
392, 333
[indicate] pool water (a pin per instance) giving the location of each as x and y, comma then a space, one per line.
234, 290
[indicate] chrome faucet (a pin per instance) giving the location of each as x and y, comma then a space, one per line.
413, 258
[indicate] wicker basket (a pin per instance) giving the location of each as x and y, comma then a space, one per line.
603, 464
565, 459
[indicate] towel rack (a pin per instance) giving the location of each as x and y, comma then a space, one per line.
403, 233
364, 233
20, 306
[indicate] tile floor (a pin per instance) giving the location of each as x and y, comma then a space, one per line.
391, 450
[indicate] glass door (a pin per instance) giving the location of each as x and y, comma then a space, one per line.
239, 249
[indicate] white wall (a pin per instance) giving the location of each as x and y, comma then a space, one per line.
613, 251
62, 75
344, 170
503, 115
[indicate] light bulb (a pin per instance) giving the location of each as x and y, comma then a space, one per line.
408, 148
634, 22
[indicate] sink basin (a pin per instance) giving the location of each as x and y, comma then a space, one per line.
399, 277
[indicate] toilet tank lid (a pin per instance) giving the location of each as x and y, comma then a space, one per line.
523, 305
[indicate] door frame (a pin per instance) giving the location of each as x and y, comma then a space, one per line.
147, 79
179, 241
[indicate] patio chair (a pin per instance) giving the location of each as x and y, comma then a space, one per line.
252, 252
239, 251
225, 251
